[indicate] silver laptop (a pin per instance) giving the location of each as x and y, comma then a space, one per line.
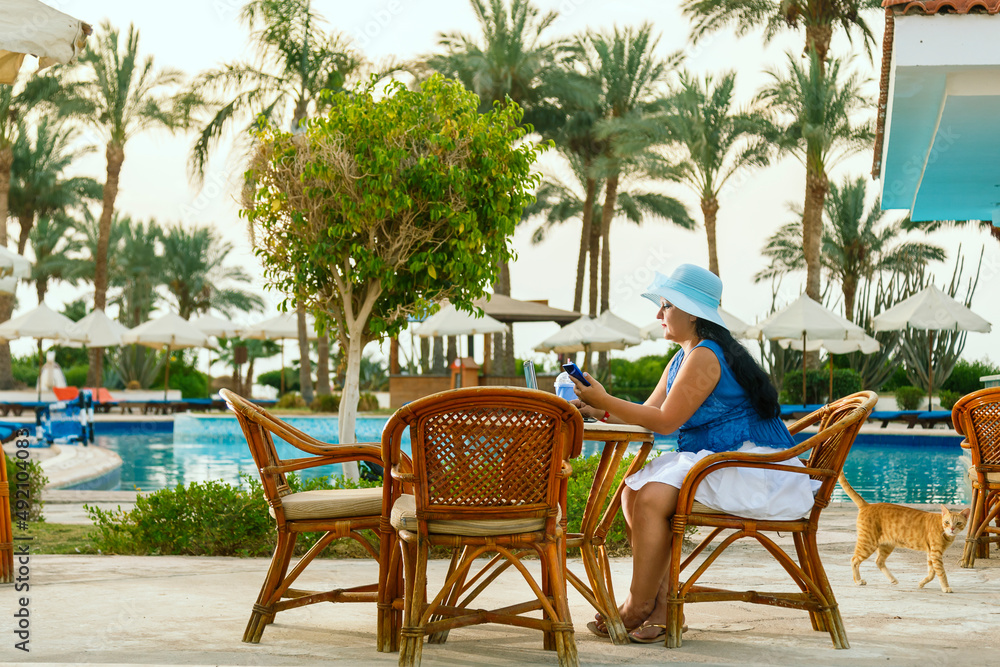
529, 375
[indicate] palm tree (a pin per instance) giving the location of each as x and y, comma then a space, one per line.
138, 269
37, 186
39, 93
817, 17
628, 75
55, 246
296, 64
508, 60
193, 272
127, 96
820, 132
858, 243
719, 142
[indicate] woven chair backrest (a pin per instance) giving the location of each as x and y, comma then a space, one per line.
257, 426
977, 416
839, 423
496, 449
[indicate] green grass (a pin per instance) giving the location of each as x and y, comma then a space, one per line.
58, 538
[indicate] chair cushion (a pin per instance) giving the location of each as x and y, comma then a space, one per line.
331, 504
991, 477
698, 508
404, 517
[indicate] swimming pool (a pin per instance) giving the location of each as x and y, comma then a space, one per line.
920, 469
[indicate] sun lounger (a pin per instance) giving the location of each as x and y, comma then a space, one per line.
927, 419
797, 411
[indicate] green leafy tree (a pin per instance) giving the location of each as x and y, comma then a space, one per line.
443, 188
138, 269
126, 95
196, 277
858, 243
820, 128
718, 140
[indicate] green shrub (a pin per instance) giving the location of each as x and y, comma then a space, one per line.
845, 383
577, 491
325, 403
896, 380
948, 398
20, 471
817, 387
636, 380
908, 398
207, 519
76, 376
964, 379
291, 399
367, 402
273, 379
192, 382
25, 370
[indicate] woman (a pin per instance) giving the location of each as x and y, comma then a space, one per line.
716, 397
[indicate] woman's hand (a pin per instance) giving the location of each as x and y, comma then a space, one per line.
587, 410
594, 395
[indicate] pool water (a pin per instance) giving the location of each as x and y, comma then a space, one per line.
919, 469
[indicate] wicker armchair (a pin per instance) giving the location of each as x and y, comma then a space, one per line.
977, 417
335, 513
489, 474
839, 423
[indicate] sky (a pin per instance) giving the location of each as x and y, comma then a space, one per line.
202, 34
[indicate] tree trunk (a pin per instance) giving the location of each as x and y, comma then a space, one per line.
425, 355
394, 356
438, 365
115, 157
26, 219
607, 215
6, 300
595, 263
41, 287
588, 221
503, 344
850, 289
452, 352
348, 411
305, 365
818, 38
6, 370
710, 209
812, 226
323, 365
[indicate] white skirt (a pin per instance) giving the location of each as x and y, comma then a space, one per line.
753, 493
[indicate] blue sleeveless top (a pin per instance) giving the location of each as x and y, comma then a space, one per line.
726, 419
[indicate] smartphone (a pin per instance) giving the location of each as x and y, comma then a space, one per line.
575, 371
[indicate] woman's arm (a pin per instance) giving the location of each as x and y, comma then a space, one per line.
695, 381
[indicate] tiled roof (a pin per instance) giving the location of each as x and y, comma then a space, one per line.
942, 6
902, 7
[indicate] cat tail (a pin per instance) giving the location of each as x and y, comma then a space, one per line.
851, 493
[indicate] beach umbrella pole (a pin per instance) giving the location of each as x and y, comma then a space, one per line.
804, 369
39, 370
166, 375
930, 370
831, 376
282, 382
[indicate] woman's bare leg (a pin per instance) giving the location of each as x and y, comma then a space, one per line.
652, 508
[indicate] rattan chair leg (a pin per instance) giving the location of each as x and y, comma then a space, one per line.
972, 546
817, 620
263, 610
411, 636
391, 576
830, 620
592, 561
562, 633
457, 557
675, 605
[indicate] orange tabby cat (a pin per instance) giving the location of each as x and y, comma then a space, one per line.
883, 527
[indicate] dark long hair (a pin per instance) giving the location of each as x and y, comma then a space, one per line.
750, 376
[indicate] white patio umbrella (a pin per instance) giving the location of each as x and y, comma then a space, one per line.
586, 335
31, 27
609, 319
169, 332
931, 310
281, 327
449, 321
13, 265
804, 319
737, 327
868, 345
94, 330
39, 323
